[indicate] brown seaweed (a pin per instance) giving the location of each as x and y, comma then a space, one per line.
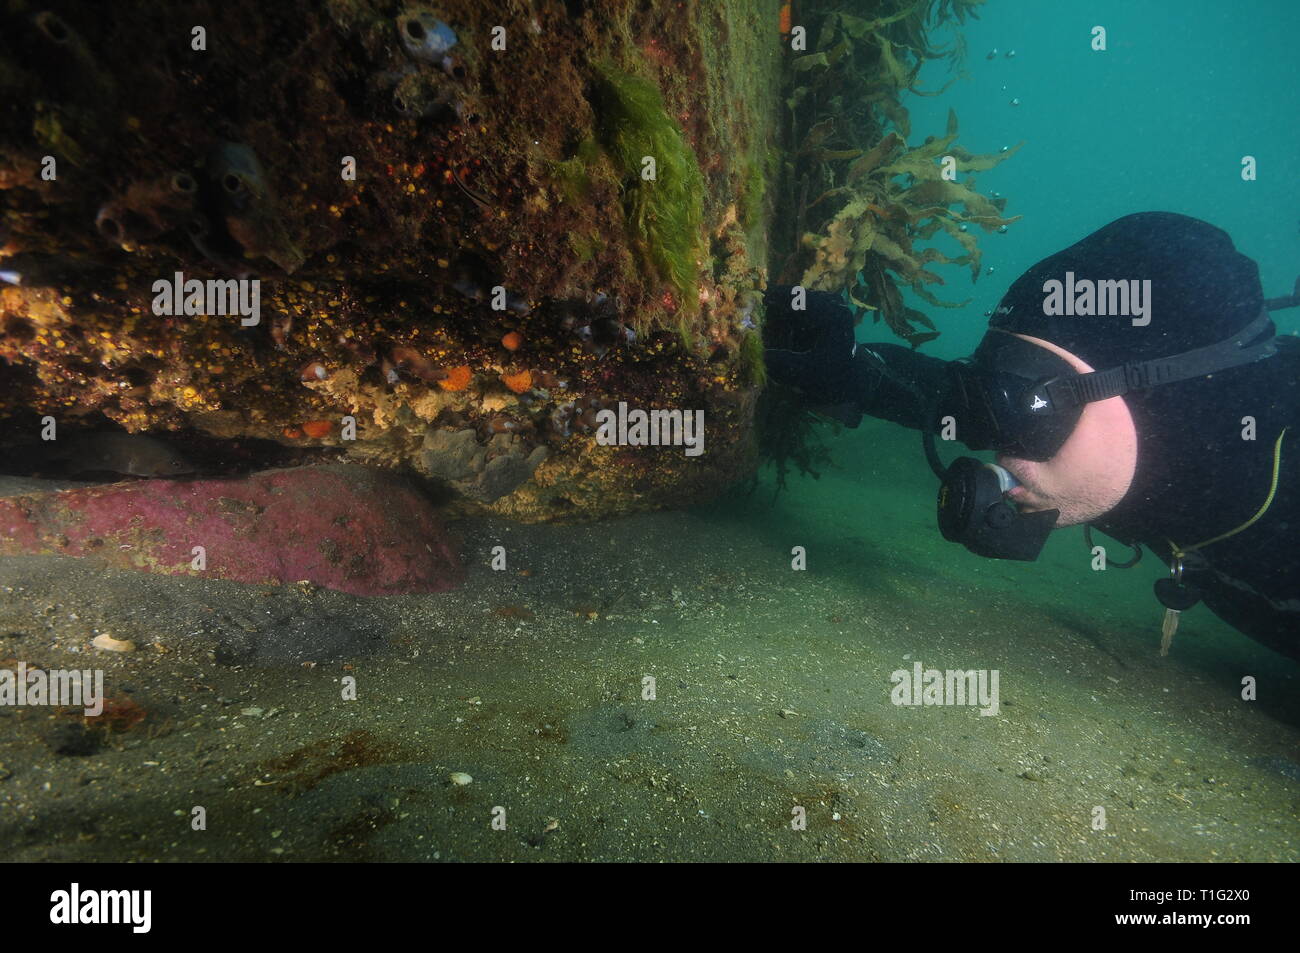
859, 204
864, 201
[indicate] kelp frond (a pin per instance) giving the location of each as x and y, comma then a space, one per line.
856, 202
790, 435
892, 198
863, 199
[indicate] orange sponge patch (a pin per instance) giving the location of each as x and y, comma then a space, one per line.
457, 378
519, 383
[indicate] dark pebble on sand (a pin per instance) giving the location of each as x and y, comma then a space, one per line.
74, 740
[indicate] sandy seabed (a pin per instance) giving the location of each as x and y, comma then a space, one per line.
771, 702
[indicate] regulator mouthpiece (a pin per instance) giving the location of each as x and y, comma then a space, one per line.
974, 511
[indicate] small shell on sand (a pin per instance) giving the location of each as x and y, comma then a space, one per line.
460, 778
110, 644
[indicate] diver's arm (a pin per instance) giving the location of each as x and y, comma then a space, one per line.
813, 351
898, 383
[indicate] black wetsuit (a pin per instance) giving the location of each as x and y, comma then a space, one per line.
1196, 478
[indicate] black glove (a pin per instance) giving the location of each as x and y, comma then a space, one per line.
814, 352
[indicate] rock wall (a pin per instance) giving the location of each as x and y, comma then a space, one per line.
448, 211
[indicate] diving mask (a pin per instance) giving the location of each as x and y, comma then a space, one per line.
1019, 398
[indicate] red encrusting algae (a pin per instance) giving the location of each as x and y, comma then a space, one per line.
341, 527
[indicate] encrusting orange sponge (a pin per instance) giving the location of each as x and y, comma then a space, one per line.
457, 378
519, 383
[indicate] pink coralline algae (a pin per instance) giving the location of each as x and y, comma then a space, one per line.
341, 527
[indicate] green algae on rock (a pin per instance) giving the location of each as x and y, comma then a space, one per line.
661, 183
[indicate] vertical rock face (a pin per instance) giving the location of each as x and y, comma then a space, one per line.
342, 527
471, 218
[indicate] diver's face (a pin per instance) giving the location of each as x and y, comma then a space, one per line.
1094, 467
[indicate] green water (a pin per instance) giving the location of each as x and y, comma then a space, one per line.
1160, 121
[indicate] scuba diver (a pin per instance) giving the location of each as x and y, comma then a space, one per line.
1164, 428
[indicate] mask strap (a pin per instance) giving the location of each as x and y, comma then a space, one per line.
1117, 381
